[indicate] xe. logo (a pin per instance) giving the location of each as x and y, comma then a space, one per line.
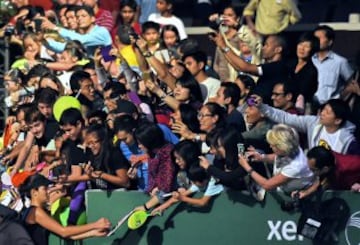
283, 231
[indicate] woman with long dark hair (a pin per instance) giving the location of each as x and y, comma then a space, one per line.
226, 169
108, 165
161, 169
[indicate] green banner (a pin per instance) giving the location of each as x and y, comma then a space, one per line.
232, 218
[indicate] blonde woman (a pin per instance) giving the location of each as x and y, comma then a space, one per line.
291, 171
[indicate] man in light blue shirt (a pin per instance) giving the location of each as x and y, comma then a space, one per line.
145, 8
90, 35
334, 70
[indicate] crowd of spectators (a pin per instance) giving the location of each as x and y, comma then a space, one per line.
106, 99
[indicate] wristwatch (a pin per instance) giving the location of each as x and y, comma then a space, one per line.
225, 49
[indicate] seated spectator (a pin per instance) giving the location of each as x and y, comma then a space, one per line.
291, 171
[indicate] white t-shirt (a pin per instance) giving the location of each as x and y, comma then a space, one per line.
211, 189
329, 140
297, 169
173, 20
209, 88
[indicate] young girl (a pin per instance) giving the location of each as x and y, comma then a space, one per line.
39, 223
169, 42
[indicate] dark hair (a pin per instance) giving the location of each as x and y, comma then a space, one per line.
313, 40
116, 88
323, 158
16, 75
281, 41
77, 78
188, 81
248, 82
150, 25
151, 136
72, 8
232, 91
216, 110
76, 49
32, 182
54, 79
129, 3
289, 88
71, 117
123, 33
169, 28
198, 56
340, 108
197, 173
90, 64
37, 71
329, 32
125, 123
34, 115
229, 139
26, 108
99, 114
86, 8
189, 151
46, 96
101, 161
188, 46
189, 117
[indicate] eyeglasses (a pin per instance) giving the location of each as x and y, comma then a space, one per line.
277, 94
200, 115
92, 143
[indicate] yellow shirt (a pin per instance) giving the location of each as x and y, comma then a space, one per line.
129, 55
272, 16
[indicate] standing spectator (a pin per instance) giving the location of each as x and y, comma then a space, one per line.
102, 17
304, 74
274, 69
165, 17
334, 70
272, 16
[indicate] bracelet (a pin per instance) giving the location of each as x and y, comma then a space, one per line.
250, 171
146, 208
163, 96
147, 54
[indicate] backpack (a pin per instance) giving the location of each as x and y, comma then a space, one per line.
322, 221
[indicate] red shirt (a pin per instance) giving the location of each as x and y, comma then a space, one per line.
104, 18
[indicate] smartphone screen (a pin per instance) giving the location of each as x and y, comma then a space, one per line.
105, 53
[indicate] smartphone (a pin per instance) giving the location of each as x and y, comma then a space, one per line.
38, 23
241, 148
105, 50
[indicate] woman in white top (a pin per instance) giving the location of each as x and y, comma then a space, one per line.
291, 171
